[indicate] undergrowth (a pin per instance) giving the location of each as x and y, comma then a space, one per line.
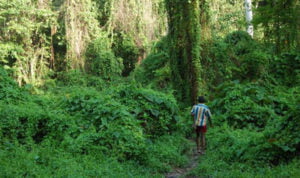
77, 130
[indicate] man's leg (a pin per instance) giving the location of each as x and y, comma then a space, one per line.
203, 142
198, 142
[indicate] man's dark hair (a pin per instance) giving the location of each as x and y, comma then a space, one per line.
201, 99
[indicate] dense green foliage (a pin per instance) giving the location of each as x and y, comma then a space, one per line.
276, 116
125, 47
257, 118
280, 19
231, 152
101, 60
25, 40
255, 96
124, 122
9, 90
94, 88
237, 57
155, 69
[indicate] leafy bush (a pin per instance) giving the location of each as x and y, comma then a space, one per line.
247, 55
282, 140
30, 123
212, 165
82, 123
236, 57
9, 52
231, 151
72, 78
104, 124
186, 122
157, 112
118, 120
274, 112
124, 47
9, 90
254, 65
243, 105
78, 78
101, 60
285, 69
155, 69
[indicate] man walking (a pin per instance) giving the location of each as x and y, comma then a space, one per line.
201, 114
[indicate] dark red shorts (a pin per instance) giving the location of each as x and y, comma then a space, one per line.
200, 129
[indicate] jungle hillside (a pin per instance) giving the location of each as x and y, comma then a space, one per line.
105, 88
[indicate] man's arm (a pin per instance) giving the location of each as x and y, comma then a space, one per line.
194, 126
209, 118
193, 116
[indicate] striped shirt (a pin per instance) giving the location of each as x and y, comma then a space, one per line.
201, 113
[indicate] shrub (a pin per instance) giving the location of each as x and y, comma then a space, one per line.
242, 105
155, 69
285, 69
118, 120
104, 125
248, 56
282, 140
72, 78
9, 90
236, 57
75, 78
51, 162
157, 112
29, 123
101, 60
274, 112
124, 47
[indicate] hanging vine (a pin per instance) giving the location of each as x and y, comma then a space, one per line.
81, 26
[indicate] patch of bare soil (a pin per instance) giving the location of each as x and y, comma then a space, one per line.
181, 172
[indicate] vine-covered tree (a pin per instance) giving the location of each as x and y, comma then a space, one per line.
184, 39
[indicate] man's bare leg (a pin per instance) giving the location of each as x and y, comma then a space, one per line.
198, 142
202, 135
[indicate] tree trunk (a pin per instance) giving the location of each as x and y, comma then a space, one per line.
204, 21
52, 57
298, 26
249, 16
184, 38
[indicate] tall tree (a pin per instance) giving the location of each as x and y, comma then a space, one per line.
280, 23
184, 38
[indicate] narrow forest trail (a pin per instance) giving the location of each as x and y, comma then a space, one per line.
182, 172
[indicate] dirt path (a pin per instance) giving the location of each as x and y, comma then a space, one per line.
181, 172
